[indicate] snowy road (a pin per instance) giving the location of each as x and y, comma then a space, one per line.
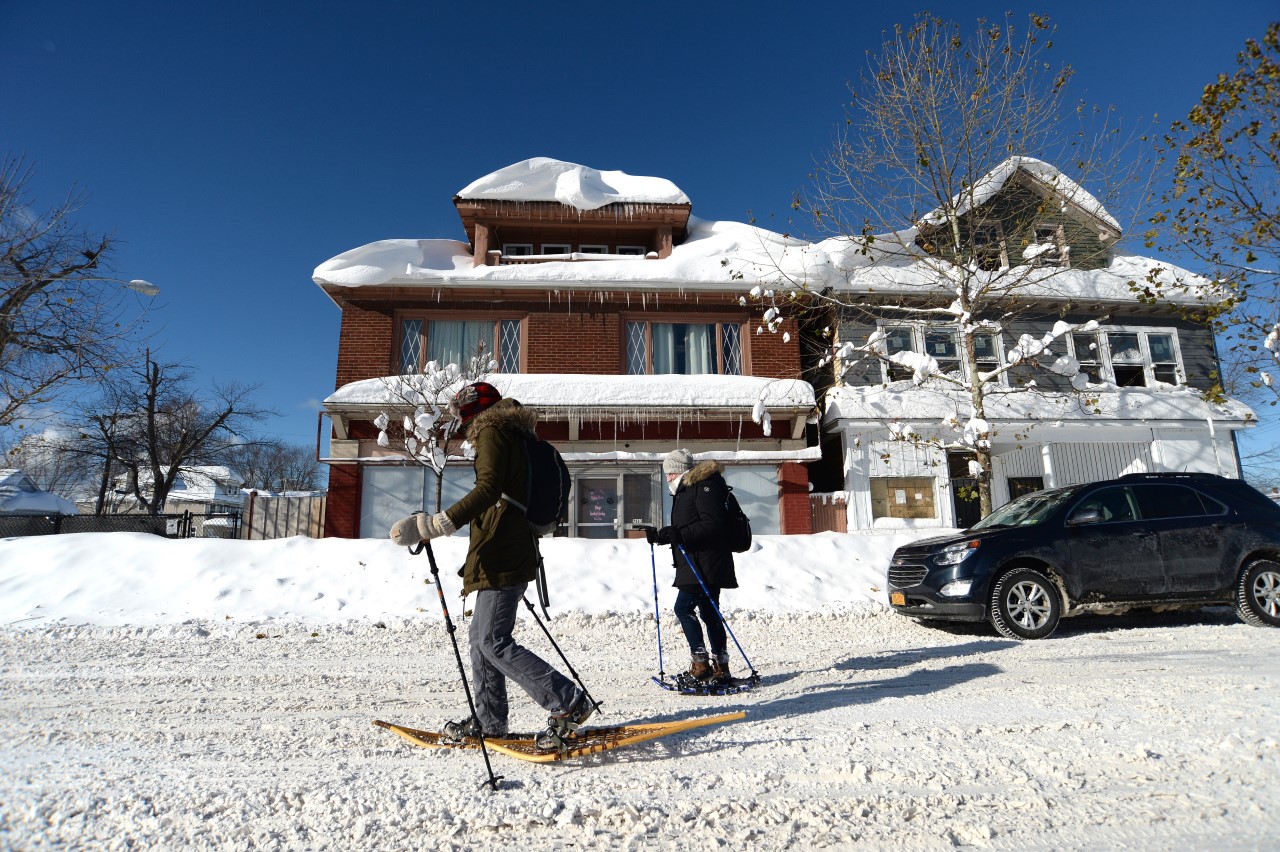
1158, 732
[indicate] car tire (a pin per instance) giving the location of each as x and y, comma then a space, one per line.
1025, 604
1258, 594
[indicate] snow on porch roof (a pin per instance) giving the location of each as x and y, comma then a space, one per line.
904, 403
601, 393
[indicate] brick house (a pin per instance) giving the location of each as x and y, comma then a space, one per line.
606, 306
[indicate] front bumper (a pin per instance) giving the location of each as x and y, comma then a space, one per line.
925, 603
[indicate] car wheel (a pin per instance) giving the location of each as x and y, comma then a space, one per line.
1025, 605
1258, 594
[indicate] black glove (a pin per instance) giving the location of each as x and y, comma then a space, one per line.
664, 535
650, 534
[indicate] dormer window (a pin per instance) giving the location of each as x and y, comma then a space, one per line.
988, 247
1049, 248
587, 248
632, 250
517, 249
556, 248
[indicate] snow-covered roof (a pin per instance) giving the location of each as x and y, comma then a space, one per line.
19, 496
902, 401
601, 393
580, 187
993, 181
695, 264
199, 483
734, 257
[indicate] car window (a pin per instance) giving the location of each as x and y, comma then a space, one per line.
1115, 504
1161, 500
1027, 510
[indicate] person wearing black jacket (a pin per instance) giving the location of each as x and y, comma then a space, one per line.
699, 524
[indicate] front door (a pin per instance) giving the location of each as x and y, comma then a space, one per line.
598, 505
964, 490
607, 505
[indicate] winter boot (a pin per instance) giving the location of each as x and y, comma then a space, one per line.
720, 669
456, 732
699, 669
562, 728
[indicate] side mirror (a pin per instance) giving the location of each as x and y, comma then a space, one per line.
1086, 515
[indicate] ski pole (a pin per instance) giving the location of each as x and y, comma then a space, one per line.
565, 659
466, 687
716, 607
653, 562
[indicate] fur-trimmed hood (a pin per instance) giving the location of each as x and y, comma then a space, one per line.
702, 470
504, 412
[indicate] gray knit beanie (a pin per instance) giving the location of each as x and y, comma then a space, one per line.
677, 461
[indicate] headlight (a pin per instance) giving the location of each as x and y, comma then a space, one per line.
956, 589
954, 554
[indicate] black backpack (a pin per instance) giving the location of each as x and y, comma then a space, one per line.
546, 502
739, 531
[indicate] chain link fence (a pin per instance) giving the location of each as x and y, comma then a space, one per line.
179, 525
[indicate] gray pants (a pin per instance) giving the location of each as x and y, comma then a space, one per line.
495, 656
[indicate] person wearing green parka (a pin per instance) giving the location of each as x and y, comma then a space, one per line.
502, 559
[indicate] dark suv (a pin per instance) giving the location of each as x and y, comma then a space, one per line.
1157, 539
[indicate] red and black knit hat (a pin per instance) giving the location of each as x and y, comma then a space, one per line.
473, 399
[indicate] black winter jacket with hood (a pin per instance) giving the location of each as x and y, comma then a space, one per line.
700, 523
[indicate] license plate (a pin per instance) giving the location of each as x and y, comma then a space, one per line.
897, 599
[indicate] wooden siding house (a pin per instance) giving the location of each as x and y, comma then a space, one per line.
1127, 394
607, 307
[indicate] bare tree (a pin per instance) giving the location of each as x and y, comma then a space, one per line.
273, 465
151, 424
62, 317
50, 459
955, 148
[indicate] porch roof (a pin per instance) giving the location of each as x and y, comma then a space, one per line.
578, 394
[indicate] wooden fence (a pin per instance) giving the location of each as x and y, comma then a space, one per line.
829, 512
283, 515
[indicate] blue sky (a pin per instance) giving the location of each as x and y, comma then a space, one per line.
234, 146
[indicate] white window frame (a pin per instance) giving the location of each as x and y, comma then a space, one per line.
920, 329
633, 250
1148, 366
1061, 260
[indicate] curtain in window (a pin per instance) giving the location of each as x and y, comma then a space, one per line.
664, 348
687, 349
456, 341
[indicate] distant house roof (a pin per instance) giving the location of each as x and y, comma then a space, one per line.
199, 484
19, 496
